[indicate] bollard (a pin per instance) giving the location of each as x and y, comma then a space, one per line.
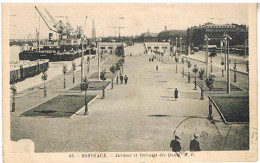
188, 77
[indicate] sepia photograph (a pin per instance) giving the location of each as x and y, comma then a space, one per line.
149, 82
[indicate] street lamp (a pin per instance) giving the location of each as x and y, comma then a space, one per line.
227, 38
176, 46
181, 44
206, 53
98, 41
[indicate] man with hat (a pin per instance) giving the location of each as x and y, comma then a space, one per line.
175, 144
194, 144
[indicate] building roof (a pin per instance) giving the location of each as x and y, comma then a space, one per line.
148, 34
171, 33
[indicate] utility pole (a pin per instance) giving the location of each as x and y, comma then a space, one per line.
206, 54
227, 39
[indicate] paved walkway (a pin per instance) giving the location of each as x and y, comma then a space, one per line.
138, 116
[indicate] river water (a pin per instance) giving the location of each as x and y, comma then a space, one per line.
14, 53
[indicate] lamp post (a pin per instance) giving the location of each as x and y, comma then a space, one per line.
181, 44
169, 49
98, 41
235, 68
176, 46
227, 38
206, 54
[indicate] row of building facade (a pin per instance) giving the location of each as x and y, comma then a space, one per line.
194, 36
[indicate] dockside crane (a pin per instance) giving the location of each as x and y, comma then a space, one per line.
45, 20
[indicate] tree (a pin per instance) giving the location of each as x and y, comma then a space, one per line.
210, 84
44, 78
73, 69
64, 70
222, 63
201, 72
182, 61
212, 54
195, 70
84, 87
103, 75
176, 60
189, 65
113, 70
14, 92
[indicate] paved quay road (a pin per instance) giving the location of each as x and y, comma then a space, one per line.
138, 116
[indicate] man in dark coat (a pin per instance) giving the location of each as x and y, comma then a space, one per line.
121, 79
176, 94
194, 144
175, 144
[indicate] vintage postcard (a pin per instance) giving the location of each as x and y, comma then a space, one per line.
129, 82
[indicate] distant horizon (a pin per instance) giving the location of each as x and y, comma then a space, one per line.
136, 18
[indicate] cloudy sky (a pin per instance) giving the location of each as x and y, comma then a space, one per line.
137, 17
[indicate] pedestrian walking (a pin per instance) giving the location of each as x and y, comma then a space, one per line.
175, 144
194, 144
121, 79
157, 67
176, 94
126, 79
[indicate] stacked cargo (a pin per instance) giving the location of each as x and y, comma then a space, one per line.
22, 70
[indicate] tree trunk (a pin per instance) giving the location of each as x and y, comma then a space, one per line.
45, 90
13, 104
222, 71
103, 93
73, 77
86, 104
112, 83
182, 71
64, 84
211, 64
195, 83
235, 76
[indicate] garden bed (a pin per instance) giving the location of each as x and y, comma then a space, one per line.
59, 106
109, 75
94, 85
233, 108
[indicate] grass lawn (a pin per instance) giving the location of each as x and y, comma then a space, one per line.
234, 108
218, 86
94, 85
59, 106
109, 75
